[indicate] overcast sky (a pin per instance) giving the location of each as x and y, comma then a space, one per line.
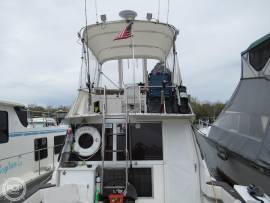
40, 58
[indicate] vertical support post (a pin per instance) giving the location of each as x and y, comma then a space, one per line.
144, 63
99, 74
133, 61
39, 161
140, 99
53, 155
103, 141
120, 72
126, 140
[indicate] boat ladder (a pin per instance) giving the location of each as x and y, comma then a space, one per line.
105, 119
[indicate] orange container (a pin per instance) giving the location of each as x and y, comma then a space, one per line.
116, 198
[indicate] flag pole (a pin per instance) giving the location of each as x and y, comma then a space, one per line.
133, 61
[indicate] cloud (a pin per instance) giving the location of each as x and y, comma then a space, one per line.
40, 59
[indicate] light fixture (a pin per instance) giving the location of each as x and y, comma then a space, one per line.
103, 18
149, 16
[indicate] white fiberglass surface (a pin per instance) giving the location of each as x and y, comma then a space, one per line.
150, 40
181, 175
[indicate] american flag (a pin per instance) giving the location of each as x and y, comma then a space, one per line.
125, 33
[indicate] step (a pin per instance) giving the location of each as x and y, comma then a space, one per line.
117, 150
114, 187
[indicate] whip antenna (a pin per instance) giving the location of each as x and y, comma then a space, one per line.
158, 9
88, 83
96, 11
168, 11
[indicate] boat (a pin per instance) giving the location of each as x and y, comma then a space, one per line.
133, 142
237, 145
29, 154
41, 122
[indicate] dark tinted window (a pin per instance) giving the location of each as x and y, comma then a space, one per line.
259, 55
58, 143
141, 178
41, 148
22, 115
3, 127
121, 142
145, 142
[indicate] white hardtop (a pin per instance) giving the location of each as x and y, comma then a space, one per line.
152, 40
8, 103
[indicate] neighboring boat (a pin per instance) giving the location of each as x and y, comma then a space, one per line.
237, 145
26, 153
41, 122
133, 143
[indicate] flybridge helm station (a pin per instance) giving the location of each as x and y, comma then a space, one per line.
151, 41
145, 45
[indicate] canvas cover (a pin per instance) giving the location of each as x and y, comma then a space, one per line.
243, 126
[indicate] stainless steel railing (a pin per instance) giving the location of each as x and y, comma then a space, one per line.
49, 149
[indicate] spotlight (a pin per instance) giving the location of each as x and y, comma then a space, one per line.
103, 18
149, 16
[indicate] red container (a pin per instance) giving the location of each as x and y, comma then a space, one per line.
116, 198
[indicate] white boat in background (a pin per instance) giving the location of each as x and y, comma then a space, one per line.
133, 143
26, 153
41, 122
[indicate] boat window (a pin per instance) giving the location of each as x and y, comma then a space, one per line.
39, 124
145, 143
3, 127
58, 143
22, 115
259, 55
41, 148
253, 126
141, 178
229, 121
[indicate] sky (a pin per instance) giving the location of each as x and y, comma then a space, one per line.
40, 57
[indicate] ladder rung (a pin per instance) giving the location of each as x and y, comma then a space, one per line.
119, 150
117, 134
114, 187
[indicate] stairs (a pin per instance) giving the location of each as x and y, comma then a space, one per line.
114, 179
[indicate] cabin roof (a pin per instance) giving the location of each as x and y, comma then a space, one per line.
256, 43
8, 103
151, 40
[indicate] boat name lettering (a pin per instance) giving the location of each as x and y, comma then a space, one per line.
9, 166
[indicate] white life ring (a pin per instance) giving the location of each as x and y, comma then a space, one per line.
87, 141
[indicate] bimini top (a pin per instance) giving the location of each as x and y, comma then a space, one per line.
151, 40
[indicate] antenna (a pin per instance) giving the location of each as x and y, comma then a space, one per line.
88, 83
128, 15
168, 11
158, 10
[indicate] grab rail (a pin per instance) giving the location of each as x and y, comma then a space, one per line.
39, 152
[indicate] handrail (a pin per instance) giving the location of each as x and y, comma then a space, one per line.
140, 99
18, 155
104, 109
34, 151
